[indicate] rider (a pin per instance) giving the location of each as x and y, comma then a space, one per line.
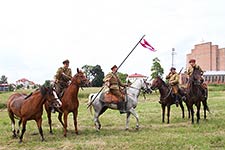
114, 84
173, 79
62, 78
190, 70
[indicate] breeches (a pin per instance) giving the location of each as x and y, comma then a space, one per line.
175, 89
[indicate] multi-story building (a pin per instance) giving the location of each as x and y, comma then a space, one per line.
211, 58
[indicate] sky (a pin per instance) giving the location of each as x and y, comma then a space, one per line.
36, 36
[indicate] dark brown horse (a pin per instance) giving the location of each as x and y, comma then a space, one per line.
166, 97
195, 94
69, 101
30, 107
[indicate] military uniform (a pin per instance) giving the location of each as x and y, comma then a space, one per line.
114, 84
62, 78
173, 79
189, 73
191, 69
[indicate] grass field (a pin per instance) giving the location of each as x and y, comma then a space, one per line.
179, 134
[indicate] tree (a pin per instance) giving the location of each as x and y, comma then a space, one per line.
87, 70
98, 75
156, 69
122, 76
47, 83
3, 79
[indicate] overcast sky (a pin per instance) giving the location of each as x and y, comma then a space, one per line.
36, 36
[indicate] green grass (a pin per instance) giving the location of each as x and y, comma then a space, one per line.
179, 134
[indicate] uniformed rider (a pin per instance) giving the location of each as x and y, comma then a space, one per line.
173, 79
114, 84
190, 70
63, 77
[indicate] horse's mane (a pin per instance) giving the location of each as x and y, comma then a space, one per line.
163, 82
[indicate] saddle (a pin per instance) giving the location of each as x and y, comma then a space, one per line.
108, 97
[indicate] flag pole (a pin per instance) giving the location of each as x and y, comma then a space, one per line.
117, 70
130, 52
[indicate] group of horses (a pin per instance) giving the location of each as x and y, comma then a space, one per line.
30, 107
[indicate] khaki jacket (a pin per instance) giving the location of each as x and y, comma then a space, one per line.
173, 78
59, 77
114, 81
191, 69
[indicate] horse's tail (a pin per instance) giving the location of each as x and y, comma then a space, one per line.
90, 101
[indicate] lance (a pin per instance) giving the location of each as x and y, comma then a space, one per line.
117, 70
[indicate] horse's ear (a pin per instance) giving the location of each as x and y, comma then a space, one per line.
78, 70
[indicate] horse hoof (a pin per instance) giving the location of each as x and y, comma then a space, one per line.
126, 129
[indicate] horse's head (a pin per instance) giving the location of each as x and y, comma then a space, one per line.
196, 77
146, 87
51, 96
80, 79
156, 83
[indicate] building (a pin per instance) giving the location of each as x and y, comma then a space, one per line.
135, 76
4, 87
211, 58
25, 83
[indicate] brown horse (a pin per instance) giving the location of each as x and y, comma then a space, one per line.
195, 94
166, 97
70, 101
30, 107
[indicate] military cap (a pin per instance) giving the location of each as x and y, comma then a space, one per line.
172, 68
113, 67
192, 60
66, 61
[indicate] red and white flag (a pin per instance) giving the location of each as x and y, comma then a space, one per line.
145, 44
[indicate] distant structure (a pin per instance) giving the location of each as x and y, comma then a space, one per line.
211, 58
135, 76
25, 83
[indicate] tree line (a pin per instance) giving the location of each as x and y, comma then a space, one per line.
95, 74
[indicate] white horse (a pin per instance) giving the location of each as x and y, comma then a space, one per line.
132, 92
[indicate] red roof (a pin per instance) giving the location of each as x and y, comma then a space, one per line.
136, 75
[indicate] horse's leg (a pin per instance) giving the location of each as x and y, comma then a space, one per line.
127, 120
182, 108
19, 124
48, 111
75, 120
39, 122
24, 122
133, 112
168, 114
163, 112
192, 114
198, 111
206, 108
60, 118
189, 111
11, 116
65, 122
96, 117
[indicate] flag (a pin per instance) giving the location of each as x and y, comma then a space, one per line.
145, 44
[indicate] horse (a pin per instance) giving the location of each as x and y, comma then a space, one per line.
166, 97
195, 94
69, 101
30, 107
132, 93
